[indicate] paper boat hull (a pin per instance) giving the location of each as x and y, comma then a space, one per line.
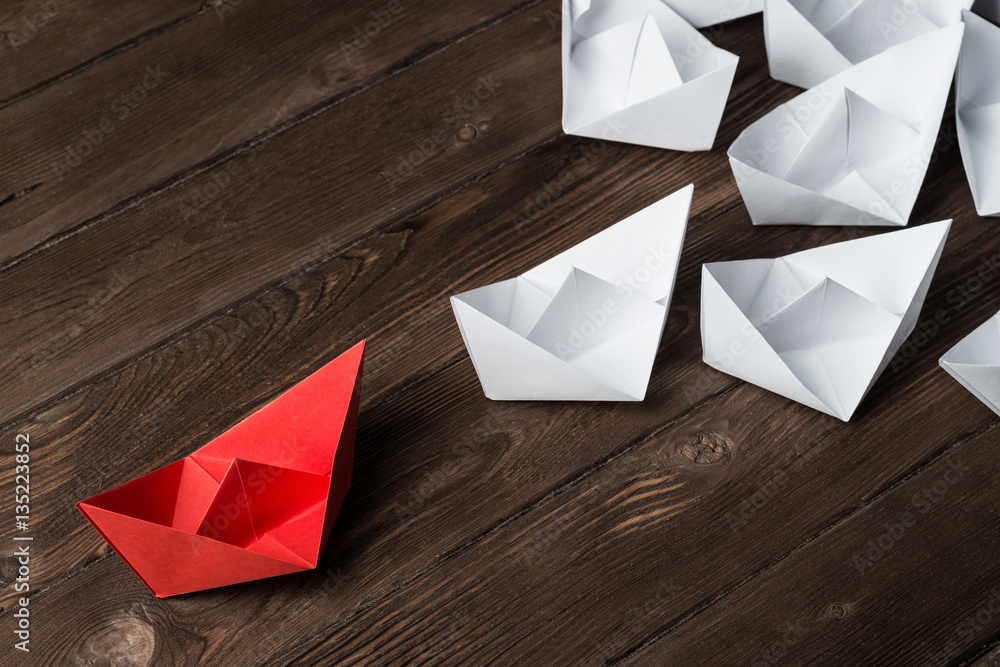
258, 501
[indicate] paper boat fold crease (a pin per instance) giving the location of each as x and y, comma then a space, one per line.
809, 41
819, 326
704, 13
586, 324
258, 501
635, 71
977, 107
975, 362
854, 150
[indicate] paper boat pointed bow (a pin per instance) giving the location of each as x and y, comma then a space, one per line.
257, 501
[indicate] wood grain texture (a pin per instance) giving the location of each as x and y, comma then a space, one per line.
148, 116
44, 39
713, 523
688, 515
906, 556
394, 344
992, 659
116, 281
416, 293
109, 299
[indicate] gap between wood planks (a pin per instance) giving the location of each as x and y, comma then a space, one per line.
388, 224
903, 477
138, 199
220, 302
100, 57
706, 221
304, 117
860, 507
290, 275
555, 493
558, 490
987, 657
295, 274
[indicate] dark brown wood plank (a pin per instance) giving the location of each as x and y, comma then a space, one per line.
118, 297
413, 335
320, 306
571, 559
100, 297
648, 539
474, 530
398, 453
43, 39
902, 582
416, 291
414, 455
63, 337
992, 659
128, 125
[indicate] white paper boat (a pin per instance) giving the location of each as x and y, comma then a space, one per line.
854, 150
975, 362
819, 326
703, 13
635, 71
977, 108
586, 324
808, 41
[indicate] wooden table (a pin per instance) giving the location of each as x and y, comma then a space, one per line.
200, 204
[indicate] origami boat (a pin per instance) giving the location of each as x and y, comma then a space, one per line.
635, 71
255, 502
819, 326
586, 324
977, 108
809, 41
975, 362
703, 13
854, 150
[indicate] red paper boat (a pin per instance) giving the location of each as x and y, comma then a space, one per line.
257, 501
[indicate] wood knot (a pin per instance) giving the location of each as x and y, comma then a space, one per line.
706, 448
466, 133
837, 610
333, 78
8, 568
126, 640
